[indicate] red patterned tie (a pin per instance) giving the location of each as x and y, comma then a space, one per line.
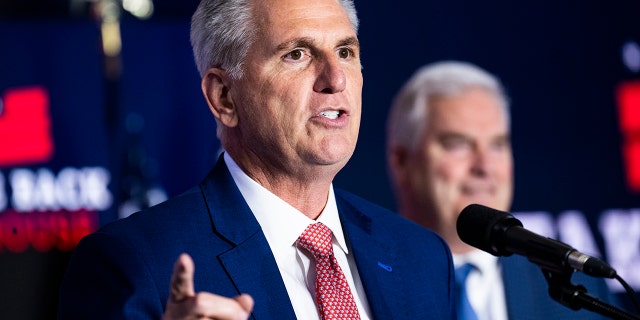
332, 290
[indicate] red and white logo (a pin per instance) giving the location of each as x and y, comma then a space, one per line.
628, 97
40, 208
25, 127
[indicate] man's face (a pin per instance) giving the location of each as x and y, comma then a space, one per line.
299, 102
465, 156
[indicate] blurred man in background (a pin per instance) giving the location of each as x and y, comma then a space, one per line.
448, 146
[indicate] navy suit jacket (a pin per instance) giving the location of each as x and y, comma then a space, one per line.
527, 296
123, 270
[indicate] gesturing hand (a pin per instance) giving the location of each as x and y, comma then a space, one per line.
184, 303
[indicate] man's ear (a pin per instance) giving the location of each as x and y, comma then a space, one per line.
215, 87
397, 159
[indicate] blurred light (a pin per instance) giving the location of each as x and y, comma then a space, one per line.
628, 99
631, 55
26, 115
111, 42
156, 195
109, 13
142, 9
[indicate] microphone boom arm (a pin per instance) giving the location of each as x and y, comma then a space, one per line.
575, 297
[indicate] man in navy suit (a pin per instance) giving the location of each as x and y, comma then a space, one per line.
448, 146
283, 81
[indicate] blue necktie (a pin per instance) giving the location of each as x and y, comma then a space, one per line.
463, 307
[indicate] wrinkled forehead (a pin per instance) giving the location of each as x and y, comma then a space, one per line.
476, 110
294, 15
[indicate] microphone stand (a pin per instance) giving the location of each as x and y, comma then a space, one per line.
575, 296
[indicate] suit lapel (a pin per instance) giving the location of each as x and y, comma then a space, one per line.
374, 260
250, 264
519, 273
253, 270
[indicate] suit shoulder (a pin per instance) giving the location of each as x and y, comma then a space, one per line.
388, 223
178, 210
360, 203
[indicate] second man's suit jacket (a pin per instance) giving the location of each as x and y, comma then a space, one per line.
123, 270
527, 296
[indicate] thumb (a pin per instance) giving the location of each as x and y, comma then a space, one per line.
182, 279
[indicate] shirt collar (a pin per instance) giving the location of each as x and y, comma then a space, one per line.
281, 223
484, 261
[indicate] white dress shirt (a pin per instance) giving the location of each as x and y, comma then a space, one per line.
282, 224
485, 288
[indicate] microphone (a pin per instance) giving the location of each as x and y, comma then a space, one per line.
501, 234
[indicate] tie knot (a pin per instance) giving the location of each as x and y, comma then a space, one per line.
462, 272
316, 238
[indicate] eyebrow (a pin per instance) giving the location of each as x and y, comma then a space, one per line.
294, 43
307, 42
449, 135
349, 42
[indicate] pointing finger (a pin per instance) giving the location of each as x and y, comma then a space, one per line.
246, 302
182, 279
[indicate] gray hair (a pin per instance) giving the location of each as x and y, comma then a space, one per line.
408, 115
223, 30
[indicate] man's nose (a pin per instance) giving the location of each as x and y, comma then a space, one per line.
480, 163
331, 77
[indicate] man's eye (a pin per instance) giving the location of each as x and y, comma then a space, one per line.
455, 143
344, 53
295, 54
502, 143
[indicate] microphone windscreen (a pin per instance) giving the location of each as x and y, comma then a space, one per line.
478, 226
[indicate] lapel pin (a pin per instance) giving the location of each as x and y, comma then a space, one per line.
384, 266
